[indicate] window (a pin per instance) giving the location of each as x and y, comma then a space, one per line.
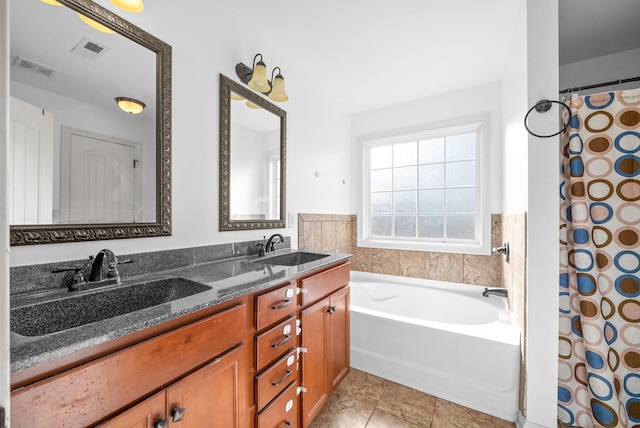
423, 191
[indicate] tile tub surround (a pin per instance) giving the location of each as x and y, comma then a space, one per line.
329, 232
228, 278
367, 401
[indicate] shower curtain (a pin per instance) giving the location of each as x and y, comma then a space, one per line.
599, 338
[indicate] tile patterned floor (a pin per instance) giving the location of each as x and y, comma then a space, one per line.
364, 400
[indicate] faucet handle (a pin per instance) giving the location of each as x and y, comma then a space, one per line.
260, 246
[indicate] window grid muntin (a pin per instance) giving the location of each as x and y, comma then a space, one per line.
473, 130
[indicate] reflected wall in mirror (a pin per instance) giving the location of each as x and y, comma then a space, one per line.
252, 159
80, 168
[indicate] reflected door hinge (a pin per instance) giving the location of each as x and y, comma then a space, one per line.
135, 162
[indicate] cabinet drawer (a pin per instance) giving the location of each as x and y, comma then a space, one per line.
324, 283
101, 387
274, 342
282, 412
275, 305
273, 380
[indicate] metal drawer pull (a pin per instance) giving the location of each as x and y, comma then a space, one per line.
285, 377
281, 305
282, 342
331, 310
161, 423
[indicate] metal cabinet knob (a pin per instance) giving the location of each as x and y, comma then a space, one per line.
177, 414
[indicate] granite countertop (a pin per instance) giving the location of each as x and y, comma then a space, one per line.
228, 279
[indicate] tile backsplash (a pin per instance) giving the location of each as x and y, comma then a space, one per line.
329, 232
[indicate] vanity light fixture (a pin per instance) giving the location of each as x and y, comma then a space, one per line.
51, 2
256, 79
278, 92
133, 6
130, 105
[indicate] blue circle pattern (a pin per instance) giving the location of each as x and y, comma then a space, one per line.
584, 268
603, 381
608, 327
612, 97
573, 152
621, 159
602, 413
630, 403
576, 167
629, 378
581, 236
616, 260
594, 360
618, 285
607, 207
624, 134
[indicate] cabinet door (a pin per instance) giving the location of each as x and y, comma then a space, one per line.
339, 360
142, 415
213, 396
314, 323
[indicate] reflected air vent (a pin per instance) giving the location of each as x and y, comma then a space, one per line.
28, 64
89, 49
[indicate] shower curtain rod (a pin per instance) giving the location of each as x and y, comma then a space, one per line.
598, 85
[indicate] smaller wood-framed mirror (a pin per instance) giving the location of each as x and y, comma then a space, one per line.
252, 160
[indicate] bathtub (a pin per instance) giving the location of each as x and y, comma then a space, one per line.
441, 338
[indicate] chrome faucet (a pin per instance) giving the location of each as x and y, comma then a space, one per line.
270, 245
502, 292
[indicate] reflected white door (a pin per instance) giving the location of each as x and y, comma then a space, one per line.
101, 179
30, 164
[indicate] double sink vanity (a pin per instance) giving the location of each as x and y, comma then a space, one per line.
241, 341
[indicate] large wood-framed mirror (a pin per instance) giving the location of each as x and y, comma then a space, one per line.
63, 187
252, 159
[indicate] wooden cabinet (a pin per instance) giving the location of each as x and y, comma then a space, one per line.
91, 392
325, 341
209, 397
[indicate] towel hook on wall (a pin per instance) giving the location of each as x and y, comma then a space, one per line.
544, 106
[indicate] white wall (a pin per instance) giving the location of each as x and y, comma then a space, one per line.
437, 110
4, 203
608, 68
317, 139
542, 220
515, 164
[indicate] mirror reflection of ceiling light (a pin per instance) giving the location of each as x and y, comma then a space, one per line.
133, 6
51, 2
96, 25
130, 105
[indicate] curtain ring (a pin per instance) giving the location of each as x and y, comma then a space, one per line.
544, 106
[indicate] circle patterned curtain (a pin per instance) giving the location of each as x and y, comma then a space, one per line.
599, 338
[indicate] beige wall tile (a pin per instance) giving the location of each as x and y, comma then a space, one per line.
414, 264
446, 267
328, 236
386, 261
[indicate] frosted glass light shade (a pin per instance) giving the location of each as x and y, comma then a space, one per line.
51, 2
253, 105
130, 105
93, 24
236, 97
133, 6
259, 80
278, 92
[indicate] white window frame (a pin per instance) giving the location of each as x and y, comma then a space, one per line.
481, 243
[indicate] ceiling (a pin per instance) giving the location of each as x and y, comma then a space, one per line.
594, 28
367, 54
